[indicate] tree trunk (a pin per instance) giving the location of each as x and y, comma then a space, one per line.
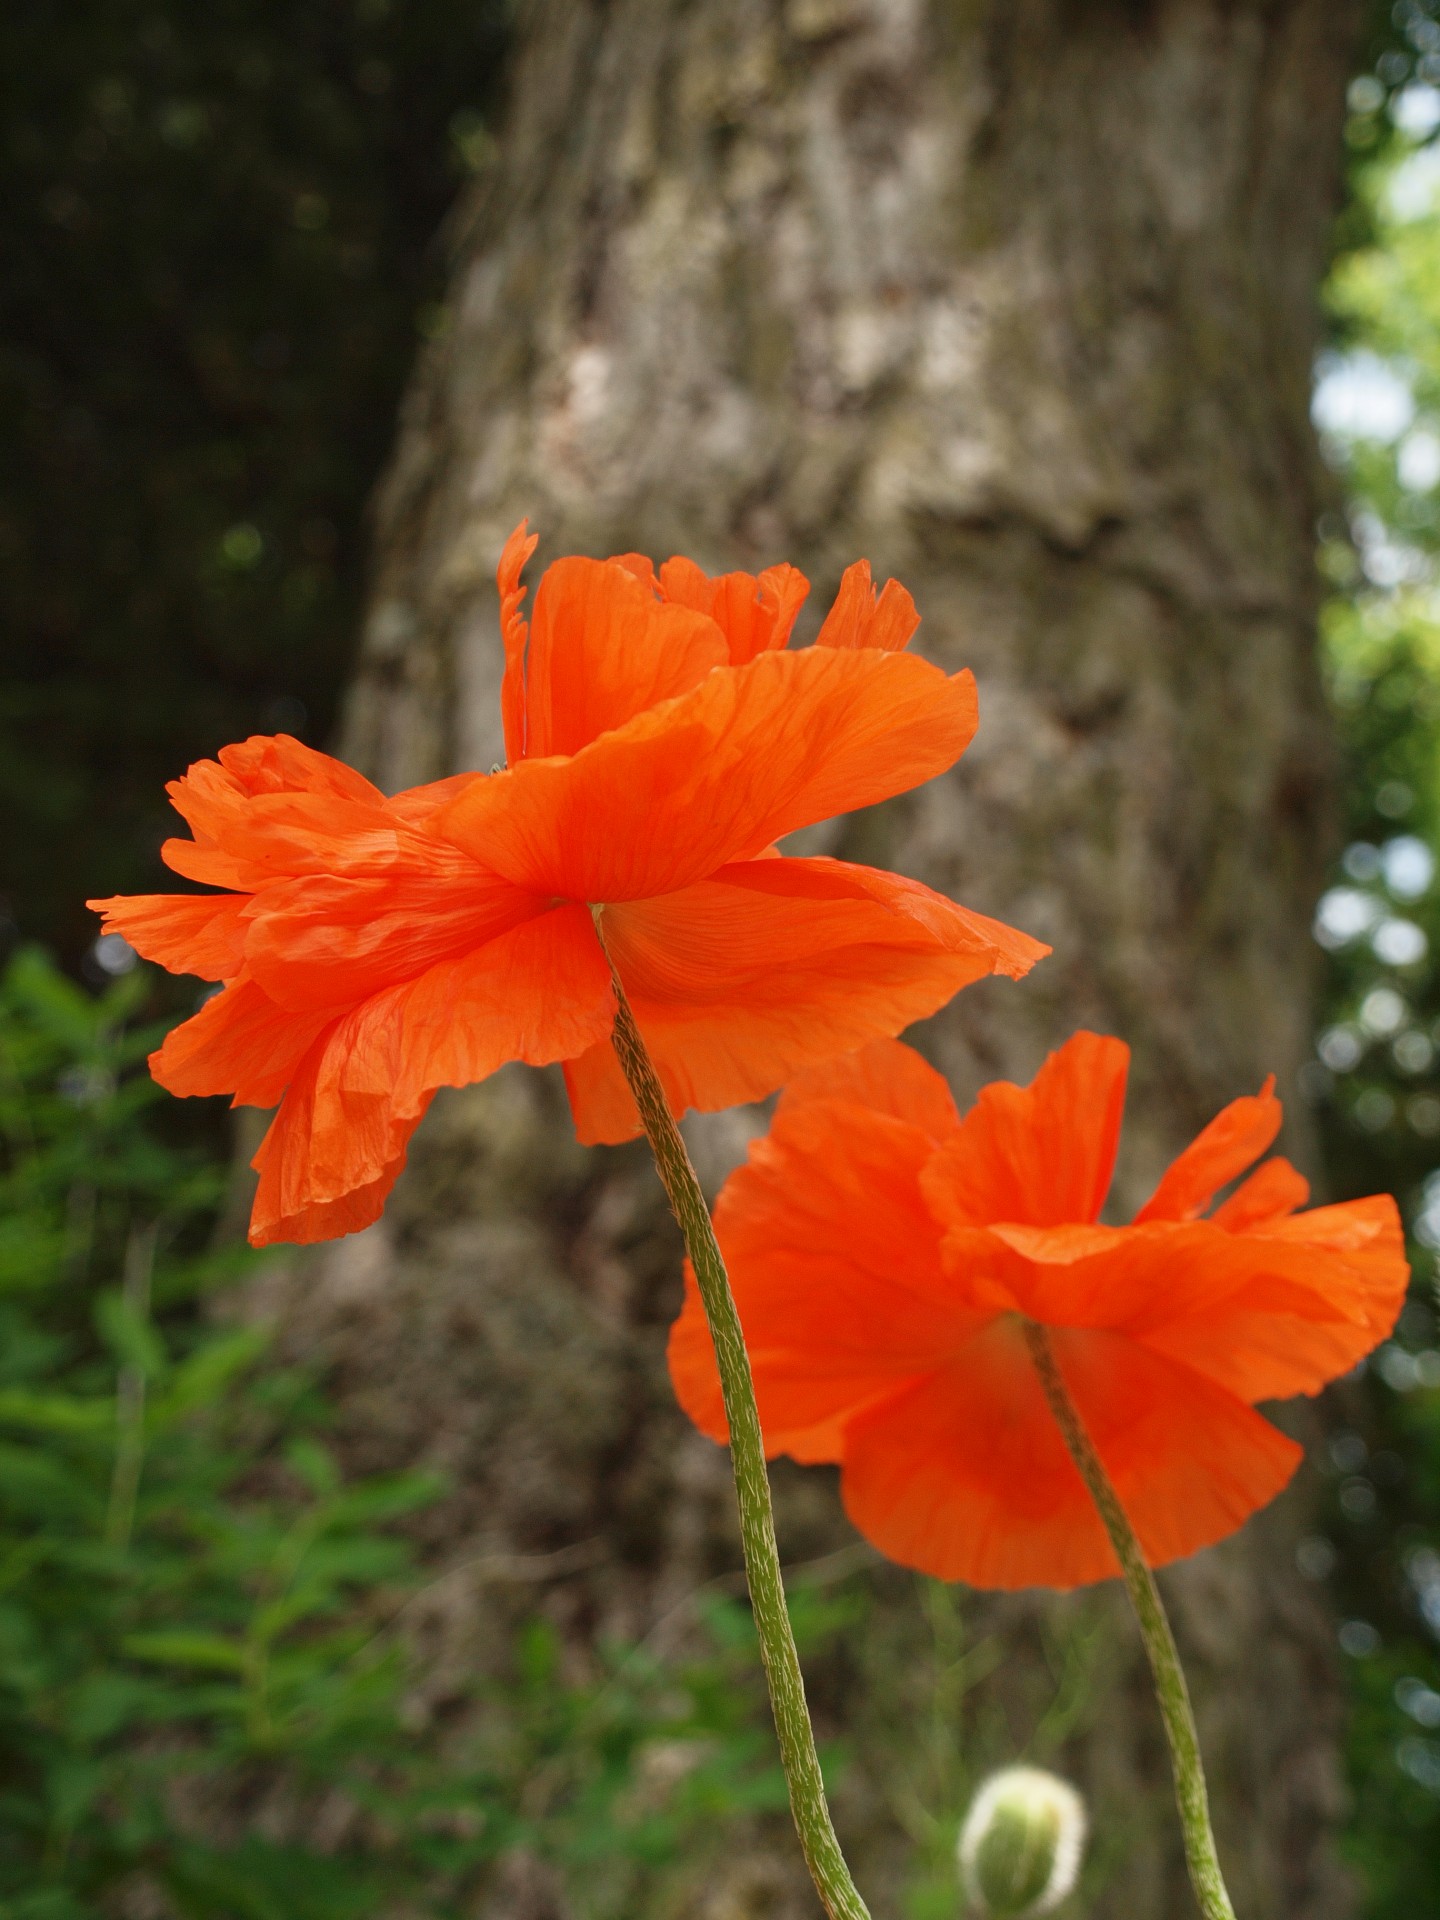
1017, 299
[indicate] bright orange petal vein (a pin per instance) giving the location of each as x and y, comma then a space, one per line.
770, 966
718, 774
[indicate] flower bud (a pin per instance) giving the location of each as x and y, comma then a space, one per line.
1021, 1843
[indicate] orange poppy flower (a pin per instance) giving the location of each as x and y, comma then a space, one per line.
661, 739
884, 1254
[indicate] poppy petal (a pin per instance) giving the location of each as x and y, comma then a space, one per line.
249, 841
514, 633
535, 993
754, 612
538, 993
1272, 1191
320, 1180
417, 806
859, 619
1267, 1313
1287, 1307
774, 965
201, 933
241, 1042
601, 1103
276, 809
718, 774
1234, 1140
603, 649
328, 940
202, 860
964, 1475
886, 1077
278, 763
834, 1262
1040, 1155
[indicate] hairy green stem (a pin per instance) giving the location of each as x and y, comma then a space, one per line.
752, 1486
1170, 1688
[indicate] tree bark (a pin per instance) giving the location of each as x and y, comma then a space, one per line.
1018, 299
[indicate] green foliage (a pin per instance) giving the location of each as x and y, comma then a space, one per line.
204, 1695
1375, 1080
182, 1570
219, 229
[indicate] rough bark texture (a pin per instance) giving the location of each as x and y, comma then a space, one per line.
1017, 298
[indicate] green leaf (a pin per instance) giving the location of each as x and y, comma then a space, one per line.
180, 1648
54, 1412
130, 1336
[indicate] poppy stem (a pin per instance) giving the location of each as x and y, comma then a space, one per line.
808, 1805
1170, 1688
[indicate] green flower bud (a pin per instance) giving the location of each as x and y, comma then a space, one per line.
1021, 1844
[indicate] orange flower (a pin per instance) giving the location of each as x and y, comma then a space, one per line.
661, 740
883, 1253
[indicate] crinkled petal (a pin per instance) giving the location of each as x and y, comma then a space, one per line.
1040, 1155
418, 806
266, 837
772, 966
325, 940
1286, 1307
277, 763
718, 774
1167, 1282
241, 1042
1233, 1141
1276, 1310
834, 1261
859, 619
602, 649
539, 993
754, 612
201, 933
534, 994
965, 1476
328, 1160
276, 809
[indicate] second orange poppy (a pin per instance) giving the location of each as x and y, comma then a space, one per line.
885, 1255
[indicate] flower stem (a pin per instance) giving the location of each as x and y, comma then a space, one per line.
1170, 1688
752, 1486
